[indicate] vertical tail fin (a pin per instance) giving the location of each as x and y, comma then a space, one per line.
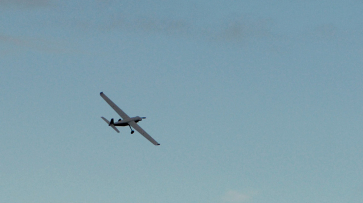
110, 124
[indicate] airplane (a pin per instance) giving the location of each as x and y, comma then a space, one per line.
127, 121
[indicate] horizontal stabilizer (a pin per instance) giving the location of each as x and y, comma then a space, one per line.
110, 124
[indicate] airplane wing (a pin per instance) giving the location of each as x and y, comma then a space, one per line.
142, 132
114, 106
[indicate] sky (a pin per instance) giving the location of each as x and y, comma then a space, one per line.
251, 101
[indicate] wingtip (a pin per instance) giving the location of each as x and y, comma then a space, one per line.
158, 144
101, 92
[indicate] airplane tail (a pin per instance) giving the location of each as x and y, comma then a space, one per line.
111, 124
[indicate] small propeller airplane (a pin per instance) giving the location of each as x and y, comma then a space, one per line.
127, 121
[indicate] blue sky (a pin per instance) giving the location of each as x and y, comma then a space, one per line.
251, 101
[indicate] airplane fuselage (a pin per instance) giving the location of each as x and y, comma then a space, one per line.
125, 122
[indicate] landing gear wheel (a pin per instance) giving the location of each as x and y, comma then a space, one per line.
132, 131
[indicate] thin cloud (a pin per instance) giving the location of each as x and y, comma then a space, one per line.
151, 24
241, 29
165, 26
25, 3
325, 30
34, 44
195, 22
234, 196
13, 40
228, 30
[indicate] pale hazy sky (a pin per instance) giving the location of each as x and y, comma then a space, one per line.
251, 101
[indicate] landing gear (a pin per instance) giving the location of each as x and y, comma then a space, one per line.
132, 131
